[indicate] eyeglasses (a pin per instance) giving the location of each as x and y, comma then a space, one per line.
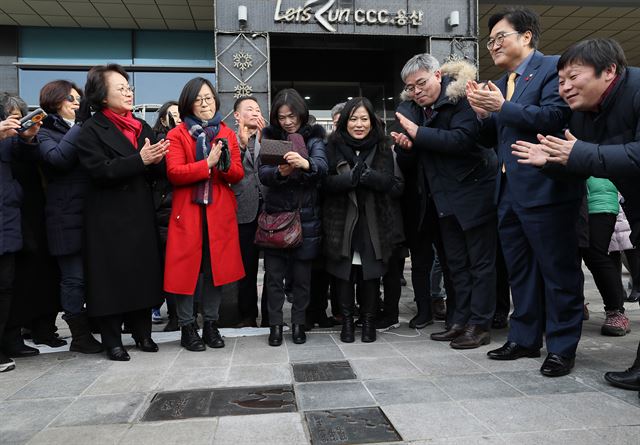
499, 39
202, 100
419, 84
71, 98
126, 90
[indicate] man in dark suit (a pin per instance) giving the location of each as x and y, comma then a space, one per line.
248, 195
603, 139
536, 214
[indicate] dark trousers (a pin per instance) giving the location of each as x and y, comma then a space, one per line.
632, 263
606, 269
7, 277
139, 322
322, 289
503, 296
391, 285
72, 297
540, 246
422, 260
471, 257
368, 291
248, 286
436, 278
276, 265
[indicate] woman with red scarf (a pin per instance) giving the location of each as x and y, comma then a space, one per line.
121, 244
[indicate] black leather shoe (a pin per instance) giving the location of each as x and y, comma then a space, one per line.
500, 321
629, 379
450, 334
190, 339
298, 335
52, 342
118, 354
22, 351
472, 337
368, 329
211, 335
348, 334
275, 335
556, 365
512, 351
147, 345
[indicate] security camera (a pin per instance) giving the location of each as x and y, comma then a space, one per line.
242, 16
454, 19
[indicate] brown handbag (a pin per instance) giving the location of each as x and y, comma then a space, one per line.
282, 230
272, 151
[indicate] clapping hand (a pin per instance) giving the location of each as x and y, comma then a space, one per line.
484, 98
550, 149
214, 154
153, 154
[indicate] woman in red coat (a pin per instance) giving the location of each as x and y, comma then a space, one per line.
203, 234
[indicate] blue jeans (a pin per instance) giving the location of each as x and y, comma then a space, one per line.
72, 297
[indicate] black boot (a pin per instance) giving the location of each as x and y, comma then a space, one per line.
424, 317
211, 335
190, 339
275, 335
345, 298
629, 379
368, 328
298, 335
81, 339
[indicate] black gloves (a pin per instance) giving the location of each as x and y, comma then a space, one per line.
356, 172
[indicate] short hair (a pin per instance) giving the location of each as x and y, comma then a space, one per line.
522, 20
239, 101
599, 53
337, 109
10, 102
294, 101
96, 86
159, 127
419, 62
189, 94
350, 107
54, 93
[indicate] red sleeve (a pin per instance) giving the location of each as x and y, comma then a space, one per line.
179, 170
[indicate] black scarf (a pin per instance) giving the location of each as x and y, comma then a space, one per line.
348, 146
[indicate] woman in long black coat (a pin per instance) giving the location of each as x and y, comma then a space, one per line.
360, 229
121, 244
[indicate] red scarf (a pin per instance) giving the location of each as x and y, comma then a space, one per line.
127, 124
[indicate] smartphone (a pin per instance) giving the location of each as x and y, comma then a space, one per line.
31, 119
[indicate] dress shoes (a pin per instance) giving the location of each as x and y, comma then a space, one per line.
629, 379
472, 337
450, 334
52, 342
118, 354
20, 351
275, 335
512, 351
556, 365
500, 320
298, 335
147, 345
211, 336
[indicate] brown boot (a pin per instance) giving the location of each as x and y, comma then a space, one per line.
448, 335
472, 337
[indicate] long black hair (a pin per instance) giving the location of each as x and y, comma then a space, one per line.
163, 111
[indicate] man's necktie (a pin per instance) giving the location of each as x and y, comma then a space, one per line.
511, 85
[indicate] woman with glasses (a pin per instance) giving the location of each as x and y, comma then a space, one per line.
203, 233
121, 247
67, 186
290, 187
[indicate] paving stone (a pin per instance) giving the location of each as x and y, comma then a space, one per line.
276, 374
315, 354
404, 334
124, 382
323, 371
618, 434
522, 364
347, 426
262, 355
55, 385
443, 365
181, 379
593, 409
330, 395
314, 340
424, 348
405, 390
581, 437
101, 410
211, 358
422, 421
22, 419
10, 387
368, 350
71, 435
179, 405
466, 440
475, 386
175, 432
505, 416
381, 368
533, 383
267, 429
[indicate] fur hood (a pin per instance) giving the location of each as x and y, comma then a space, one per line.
459, 71
307, 132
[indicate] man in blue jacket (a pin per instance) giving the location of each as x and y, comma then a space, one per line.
536, 214
603, 139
